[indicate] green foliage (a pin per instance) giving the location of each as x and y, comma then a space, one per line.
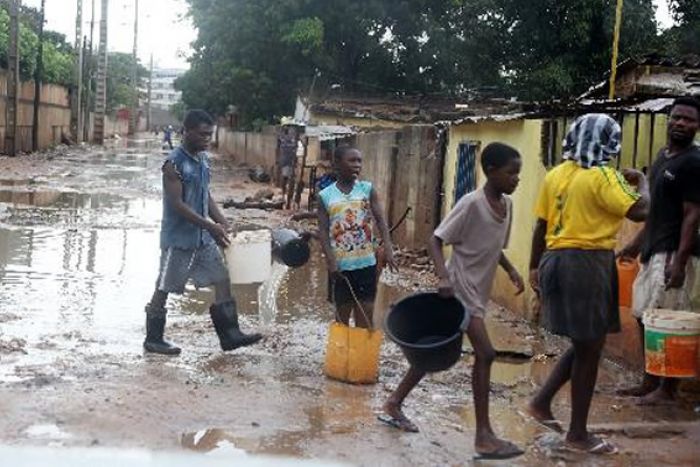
57, 56
120, 92
258, 54
684, 37
306, 34
561, 47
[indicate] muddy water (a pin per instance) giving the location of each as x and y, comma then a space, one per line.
78, 258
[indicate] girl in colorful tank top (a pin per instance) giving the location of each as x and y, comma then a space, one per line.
347, 211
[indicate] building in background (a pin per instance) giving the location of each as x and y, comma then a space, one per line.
163, 93
163, 96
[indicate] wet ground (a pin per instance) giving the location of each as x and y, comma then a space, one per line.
78, 259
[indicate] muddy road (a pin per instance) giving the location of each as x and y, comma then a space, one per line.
78, 259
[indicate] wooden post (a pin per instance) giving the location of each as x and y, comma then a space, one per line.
38, 77
148, 102
134, 112
76, 104
615, 49
88, 105
12, 81
101, 88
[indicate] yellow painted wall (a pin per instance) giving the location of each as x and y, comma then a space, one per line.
525, 136
648, 125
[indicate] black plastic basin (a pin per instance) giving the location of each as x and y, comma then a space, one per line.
427, 328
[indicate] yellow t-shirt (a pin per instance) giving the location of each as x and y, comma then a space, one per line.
584, 208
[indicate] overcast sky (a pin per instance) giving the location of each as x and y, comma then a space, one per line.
164, 31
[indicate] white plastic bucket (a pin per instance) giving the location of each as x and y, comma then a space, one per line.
671, 343
249, 257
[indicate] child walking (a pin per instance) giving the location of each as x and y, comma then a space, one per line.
346, 212
477, 228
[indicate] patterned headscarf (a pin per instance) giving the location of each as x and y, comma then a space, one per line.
593, 140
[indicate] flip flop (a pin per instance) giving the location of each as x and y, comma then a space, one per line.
552, 424
507, 451
601, 448
403, 425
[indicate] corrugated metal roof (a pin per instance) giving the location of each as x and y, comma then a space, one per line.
329, 132
487, 118
665, 77
652, 105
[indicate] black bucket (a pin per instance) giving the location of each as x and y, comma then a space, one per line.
290, 248
428, 328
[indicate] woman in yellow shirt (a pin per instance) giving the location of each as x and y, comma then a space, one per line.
580, 208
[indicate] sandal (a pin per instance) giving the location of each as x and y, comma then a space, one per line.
599, 447
507, 451
402, 424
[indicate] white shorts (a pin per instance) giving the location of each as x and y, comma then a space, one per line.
650, 292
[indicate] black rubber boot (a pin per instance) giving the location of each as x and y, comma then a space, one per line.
155, 325
225, 319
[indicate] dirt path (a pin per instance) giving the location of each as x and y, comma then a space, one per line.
78, 257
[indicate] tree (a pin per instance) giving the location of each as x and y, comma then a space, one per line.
57, 53
684, 37
561, 47
258, 54
120, 91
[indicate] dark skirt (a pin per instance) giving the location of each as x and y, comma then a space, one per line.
580, 293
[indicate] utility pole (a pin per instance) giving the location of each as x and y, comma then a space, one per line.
101, 88
148, 102
12, 80
38, 77
76, 104
134, 113
89, 75
615, 49
85, 92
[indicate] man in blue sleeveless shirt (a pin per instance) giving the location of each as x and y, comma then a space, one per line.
191, 228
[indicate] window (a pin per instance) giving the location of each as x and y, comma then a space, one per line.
550, 142
465, 179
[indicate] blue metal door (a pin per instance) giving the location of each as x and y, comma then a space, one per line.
466, 169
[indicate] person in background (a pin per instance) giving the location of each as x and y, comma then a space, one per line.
191, 228
668, 243
478, 229
168, 136
579, 212
287, 144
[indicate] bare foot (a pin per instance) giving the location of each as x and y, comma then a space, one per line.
544, 417
492, 447
657, 397
539, 413
640, 390
394, 416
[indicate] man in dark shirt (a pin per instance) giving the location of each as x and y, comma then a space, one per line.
668, 244
287, 144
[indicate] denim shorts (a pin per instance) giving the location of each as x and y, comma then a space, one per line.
204, 266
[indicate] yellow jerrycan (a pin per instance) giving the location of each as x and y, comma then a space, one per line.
352, 353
